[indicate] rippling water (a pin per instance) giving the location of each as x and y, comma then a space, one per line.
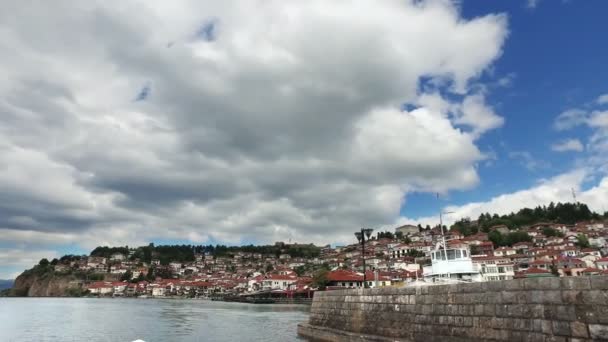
151, 320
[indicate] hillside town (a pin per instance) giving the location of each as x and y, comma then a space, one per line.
394, 258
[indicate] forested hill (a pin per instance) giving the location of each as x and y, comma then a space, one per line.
564, 213
185, 253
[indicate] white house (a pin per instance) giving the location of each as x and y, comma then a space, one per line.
504, 251
101, 288
278, 282
494, 267
117, 257
602, 263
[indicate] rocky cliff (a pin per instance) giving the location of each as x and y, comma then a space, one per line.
46, 283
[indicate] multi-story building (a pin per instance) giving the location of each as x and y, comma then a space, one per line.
494, 267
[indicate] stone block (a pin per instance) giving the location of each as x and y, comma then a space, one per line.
572, 296
493, 286
532, 310
559, 312
547, 327
508, 297
515, 310
492, 297
545, 296
585, 313
513, 285
542, 283
601, 313
579, 329
575, 283
518, 336
598, 331
489, 310
534, 337
599, 282
560, 328
595, 297
537, 325
458, 288
474, 288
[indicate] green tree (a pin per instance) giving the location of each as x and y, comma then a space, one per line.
126, 276
496, 237
548, 231
43, 262
582, 241
554, 270
319, 279
150, 274
515, 237
300, 270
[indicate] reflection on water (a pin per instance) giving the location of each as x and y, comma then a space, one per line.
93, 320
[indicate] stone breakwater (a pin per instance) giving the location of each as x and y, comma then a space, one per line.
535, 309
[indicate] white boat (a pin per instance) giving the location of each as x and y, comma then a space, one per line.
451, 265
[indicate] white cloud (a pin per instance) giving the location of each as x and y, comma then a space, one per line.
599, 120
556, 189
475, 113
532, 4
570, 119
12, 259
285, 125
568, 145
507, 80
602, 99
528, 160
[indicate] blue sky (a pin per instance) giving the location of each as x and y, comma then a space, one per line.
556, 61
207, 122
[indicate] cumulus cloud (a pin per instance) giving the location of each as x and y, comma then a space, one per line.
528, 160
282, 124
568, 145
596, 120
602, 99
14, 260
556, 189
475, 113
570, 119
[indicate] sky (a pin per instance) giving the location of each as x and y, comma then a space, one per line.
124, 123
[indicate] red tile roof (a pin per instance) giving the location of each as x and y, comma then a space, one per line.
344, 275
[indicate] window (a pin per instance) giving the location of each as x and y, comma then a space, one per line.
451, 254
464, 254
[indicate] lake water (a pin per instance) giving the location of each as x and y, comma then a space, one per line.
151, 320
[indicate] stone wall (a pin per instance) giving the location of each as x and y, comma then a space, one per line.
535, 309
